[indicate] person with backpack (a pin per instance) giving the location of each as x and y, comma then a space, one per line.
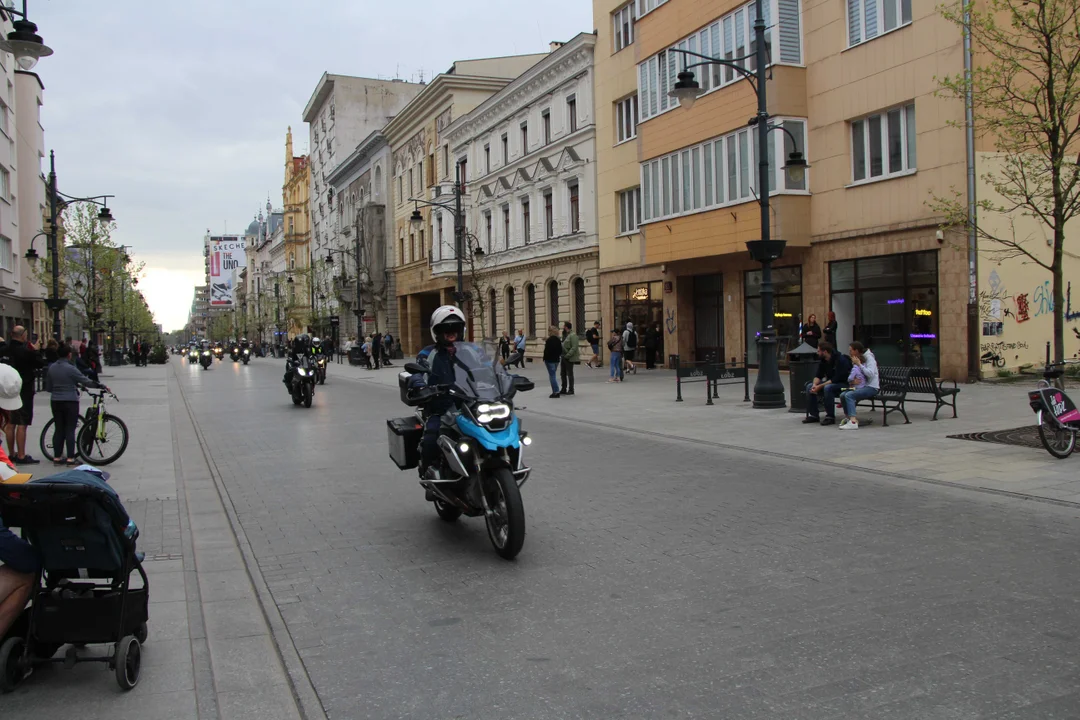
629, 341
592, 336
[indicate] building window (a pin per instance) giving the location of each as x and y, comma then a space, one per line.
553, 302
787, 310
869, 18
492, 315
411, 192
445, 160
5, 185
505, 150
487, 159
463, 172
400, 194
431, 170
4, 119
571, 109
546, 118
401, 250
629, 210
506, 226
439, 233
890, 304
511, 313
575, 208
5, 252
412, 247
647, 6
718, 172
530, 310
524, 138
626, 111
525, 219
579, 306
623, 20
549, 216
487, 230
423, 247
884, 144
729, 37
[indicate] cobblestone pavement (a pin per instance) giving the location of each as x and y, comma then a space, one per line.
659, 578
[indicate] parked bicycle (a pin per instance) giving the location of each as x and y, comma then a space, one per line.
100, 437
1058, 417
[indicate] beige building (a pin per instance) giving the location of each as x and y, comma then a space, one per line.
296, 194
853, 83
423, 168
530, 153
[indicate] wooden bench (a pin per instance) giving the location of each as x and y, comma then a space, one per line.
899, 384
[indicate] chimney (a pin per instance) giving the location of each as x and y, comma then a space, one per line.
555, 45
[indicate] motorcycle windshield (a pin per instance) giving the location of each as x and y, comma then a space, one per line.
478, 375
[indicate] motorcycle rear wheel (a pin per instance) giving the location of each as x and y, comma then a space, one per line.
506, 524
1059, 443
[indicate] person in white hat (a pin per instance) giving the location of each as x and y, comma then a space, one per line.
18, 561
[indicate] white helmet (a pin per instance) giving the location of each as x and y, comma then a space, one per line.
316, 342
446, 318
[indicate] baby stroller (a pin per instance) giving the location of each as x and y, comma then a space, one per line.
86, 543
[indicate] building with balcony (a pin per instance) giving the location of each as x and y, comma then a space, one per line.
423, 168
529, 155
853, 84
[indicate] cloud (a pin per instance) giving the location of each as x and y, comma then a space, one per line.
180, 109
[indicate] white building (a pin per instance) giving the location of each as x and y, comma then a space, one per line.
361, 187
343, 111
30, 200
529, 153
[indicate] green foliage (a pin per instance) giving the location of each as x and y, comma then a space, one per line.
1004, 373
1025, 90
157, 355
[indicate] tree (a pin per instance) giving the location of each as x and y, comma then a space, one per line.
1025, 93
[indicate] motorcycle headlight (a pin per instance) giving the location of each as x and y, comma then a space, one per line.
488, 413
301, 372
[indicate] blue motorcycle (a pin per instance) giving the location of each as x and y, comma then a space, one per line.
481, 442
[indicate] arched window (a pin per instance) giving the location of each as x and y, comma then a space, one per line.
510, 314
579, 306
553, 302
491, 313
530, 310
378, 182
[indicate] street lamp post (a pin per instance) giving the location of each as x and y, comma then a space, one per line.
459, 228
356, 258
769, 389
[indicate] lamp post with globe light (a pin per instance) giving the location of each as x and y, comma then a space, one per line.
769, 389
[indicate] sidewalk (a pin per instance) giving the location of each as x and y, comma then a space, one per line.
210, 652
646, 403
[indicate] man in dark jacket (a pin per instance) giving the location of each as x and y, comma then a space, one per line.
375, 349
26, 362
830, 378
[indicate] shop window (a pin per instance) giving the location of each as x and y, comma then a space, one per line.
640, 303
787, 311
530, 310
511, 318
579, 306
492, 314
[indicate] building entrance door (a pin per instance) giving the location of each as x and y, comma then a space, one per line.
709, 317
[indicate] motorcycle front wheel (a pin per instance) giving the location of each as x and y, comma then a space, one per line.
1058, 442
506, 523
309, 395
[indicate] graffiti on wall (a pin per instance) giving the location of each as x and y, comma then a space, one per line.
669, 322
1000, 346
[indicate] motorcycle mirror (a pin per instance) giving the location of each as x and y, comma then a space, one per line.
415, 368
523, 384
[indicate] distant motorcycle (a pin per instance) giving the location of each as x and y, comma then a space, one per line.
246, 355
235, 354
320, 369
206, 359
302, 387
219, 353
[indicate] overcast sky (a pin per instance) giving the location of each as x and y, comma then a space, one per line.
180, 108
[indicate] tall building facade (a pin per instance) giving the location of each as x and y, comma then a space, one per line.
424, 169
296, 196
678, 188
529, 155
31, 196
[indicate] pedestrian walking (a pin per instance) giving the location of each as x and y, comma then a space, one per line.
26, 362
376, 342
553, 352
615, 348
519, 343
504, 346
811, 331
629, 341
387, 349
592, 336
64, 381
652, 342
830, 328
571, 356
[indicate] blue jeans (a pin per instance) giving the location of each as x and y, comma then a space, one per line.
850, 397
552, 368
827, 397
616, 365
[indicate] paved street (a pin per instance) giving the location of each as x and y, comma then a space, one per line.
660, 578
296, 573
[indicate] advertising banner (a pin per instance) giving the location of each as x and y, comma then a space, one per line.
227, 259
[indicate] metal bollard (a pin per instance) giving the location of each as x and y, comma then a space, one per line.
678, 381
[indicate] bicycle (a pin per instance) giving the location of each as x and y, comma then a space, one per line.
100, 437
1058, 417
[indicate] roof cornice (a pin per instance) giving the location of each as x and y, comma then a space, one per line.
322, 89
426, 104
361, 155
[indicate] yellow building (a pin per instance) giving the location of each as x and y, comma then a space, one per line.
423, 168
296, 195
677, 188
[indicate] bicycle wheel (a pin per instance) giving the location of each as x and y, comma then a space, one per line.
46, 442
1059, 443
104, 446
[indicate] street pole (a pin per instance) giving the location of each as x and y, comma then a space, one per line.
54, 248
359, 296
768, 389
459, 232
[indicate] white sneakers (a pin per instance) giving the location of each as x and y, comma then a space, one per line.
846, 424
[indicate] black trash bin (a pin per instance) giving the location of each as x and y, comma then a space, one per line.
802, 366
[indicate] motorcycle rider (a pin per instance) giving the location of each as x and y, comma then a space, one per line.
300, 346
447, 327
316, 347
